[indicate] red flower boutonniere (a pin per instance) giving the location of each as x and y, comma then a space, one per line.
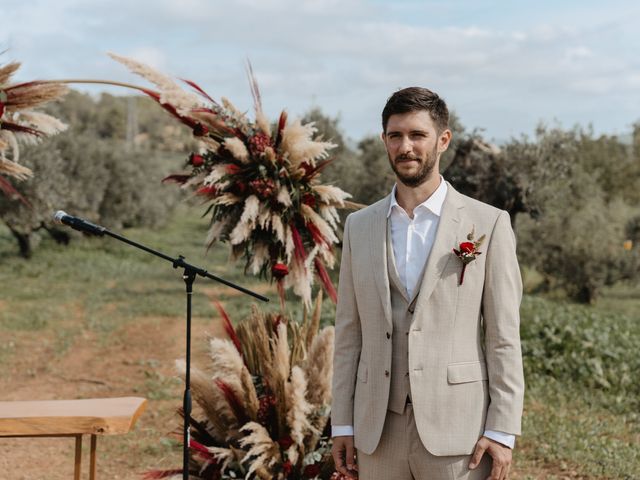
468, 251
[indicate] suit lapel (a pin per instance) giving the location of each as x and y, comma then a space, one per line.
378, 248
449, 231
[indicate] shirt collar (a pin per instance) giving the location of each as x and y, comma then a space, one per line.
433, 203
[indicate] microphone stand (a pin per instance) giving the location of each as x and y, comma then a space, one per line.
189, 275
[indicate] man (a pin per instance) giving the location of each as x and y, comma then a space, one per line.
428, 380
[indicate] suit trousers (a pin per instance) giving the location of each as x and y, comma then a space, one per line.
400, 455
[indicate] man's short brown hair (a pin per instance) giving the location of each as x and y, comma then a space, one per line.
414, 99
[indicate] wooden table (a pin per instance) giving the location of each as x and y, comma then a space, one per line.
71, 418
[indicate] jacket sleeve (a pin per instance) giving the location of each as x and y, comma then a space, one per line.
348, 340
501, 315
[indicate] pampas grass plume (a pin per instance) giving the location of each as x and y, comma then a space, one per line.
237, 148
319, 367
210, 400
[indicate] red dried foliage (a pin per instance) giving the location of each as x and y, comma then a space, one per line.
190, 122
281, 124
233, 401
177, 178
326, 280
228, 327
298, 250
196, 87
10, 191
311, 172
202, 450
316, 235
14, 127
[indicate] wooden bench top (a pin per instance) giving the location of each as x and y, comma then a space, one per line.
99, 416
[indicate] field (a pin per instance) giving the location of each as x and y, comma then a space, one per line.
99, 319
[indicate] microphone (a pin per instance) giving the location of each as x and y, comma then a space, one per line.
77, 223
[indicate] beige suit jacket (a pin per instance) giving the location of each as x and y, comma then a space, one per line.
465, 362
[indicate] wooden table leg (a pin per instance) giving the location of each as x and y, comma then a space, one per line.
78, 462
92, 468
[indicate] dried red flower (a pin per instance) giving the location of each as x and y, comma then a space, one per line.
308, 169
239, 188
287, 468
309, 199
196, 160
232, 169
468, 251
264, 188
279, 270
311, 471
200, 130
467, 247
259, 142
285, 442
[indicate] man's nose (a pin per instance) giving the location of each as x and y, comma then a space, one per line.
405, 145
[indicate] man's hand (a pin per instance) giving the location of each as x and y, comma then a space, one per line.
344, 457
500, 454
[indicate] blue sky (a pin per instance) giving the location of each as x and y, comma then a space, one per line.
503, 66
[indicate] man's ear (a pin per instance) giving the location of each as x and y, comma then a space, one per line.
444, 140
383, 137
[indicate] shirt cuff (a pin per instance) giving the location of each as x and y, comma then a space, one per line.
506, 439
342, 431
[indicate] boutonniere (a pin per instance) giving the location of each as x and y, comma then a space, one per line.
468, 251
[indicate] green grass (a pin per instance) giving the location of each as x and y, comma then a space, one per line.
156, 385
623, 298
583, 395
110, 282
563, 428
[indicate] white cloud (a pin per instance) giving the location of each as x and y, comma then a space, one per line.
577, 53
347, 56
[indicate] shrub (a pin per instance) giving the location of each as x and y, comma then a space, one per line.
578, 345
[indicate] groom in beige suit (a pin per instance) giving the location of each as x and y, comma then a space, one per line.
428, 380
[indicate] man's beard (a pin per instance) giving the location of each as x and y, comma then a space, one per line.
424, 172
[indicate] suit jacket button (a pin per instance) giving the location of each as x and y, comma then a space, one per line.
388, 335
386, 373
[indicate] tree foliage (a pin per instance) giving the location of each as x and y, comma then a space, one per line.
107, 168
573, 196
581, 238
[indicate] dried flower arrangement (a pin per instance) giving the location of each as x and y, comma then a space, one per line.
265, 404
261, 182
20, 123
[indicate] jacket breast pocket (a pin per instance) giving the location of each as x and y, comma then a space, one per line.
465, 372
363, 372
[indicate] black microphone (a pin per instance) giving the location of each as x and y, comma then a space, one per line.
78, 223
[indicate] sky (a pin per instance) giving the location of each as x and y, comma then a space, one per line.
502, 66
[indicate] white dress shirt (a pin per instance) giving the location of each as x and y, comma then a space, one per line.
412, 240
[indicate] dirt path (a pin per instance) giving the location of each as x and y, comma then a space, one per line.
135, 360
